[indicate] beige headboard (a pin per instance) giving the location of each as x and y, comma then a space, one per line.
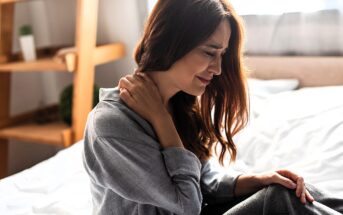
310, 71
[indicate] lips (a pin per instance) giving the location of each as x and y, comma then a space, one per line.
204, 80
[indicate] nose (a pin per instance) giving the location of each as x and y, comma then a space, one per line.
216, 66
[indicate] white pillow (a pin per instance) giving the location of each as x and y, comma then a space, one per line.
263, 87
261, 90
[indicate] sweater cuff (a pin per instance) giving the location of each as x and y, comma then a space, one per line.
180, 161
227, 185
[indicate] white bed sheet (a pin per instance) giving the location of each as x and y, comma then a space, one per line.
301, 130
58, 185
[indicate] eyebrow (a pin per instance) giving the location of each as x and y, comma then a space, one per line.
215, 46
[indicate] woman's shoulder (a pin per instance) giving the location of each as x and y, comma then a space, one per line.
113, 118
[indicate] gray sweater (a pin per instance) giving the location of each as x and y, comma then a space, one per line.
130, 173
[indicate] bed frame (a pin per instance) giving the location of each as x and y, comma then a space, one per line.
311, 71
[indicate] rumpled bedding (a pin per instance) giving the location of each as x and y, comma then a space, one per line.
301, 130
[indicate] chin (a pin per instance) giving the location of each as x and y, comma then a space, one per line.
195, 92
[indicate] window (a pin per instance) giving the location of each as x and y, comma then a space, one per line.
151, 4
245, 7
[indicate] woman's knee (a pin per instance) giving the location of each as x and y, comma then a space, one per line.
277, 188
277, 191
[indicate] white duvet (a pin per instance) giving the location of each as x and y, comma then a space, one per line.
58, 185
300, 130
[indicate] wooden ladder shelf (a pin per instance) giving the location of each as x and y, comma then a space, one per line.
80, 60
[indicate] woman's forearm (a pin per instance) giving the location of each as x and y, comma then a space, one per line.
166, 131
247, 184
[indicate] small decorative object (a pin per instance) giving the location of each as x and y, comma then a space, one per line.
27, 43
66, 100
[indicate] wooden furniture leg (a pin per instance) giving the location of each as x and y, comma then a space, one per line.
6, 27
87, 13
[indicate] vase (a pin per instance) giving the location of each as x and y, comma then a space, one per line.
28, 47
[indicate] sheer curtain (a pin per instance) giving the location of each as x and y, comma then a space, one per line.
296, 33
253, 7
290, 27
264, 7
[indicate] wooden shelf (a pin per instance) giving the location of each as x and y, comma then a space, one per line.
63, 60
56, 133
79, 58
107, 53
11, 1
25, 127
37, 65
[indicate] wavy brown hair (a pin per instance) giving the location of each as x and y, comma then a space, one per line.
173, 29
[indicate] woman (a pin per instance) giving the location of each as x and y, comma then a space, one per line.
148, 142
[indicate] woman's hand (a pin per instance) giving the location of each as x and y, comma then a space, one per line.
141, 94
289, 180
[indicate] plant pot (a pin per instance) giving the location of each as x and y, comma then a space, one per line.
28, 47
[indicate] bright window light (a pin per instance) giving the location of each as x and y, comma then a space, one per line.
245, 7
151, 4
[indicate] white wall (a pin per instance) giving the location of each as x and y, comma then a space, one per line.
53, 23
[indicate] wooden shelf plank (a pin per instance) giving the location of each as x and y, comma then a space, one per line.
50, 133
46, 61
39, 65
64, 60
12, 1
108, 53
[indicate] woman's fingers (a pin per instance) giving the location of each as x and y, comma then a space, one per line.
146, 78
288, 174
301, 190
126, 83
303, 197
286, 182
300, 186
309, 197
132, 83
142, 95
126, 96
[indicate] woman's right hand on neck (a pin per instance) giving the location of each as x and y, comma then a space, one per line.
141, 94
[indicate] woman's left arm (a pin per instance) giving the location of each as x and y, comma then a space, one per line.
250, 183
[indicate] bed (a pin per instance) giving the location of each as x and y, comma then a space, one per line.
296, 122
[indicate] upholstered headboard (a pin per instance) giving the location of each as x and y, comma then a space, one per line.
310, 71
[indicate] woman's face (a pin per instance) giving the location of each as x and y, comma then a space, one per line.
193, 72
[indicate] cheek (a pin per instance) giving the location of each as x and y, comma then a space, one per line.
186, 71
196, 64
201, 61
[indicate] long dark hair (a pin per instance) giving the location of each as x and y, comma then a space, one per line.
174, 28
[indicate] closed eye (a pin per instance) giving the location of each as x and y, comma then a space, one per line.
210, 54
